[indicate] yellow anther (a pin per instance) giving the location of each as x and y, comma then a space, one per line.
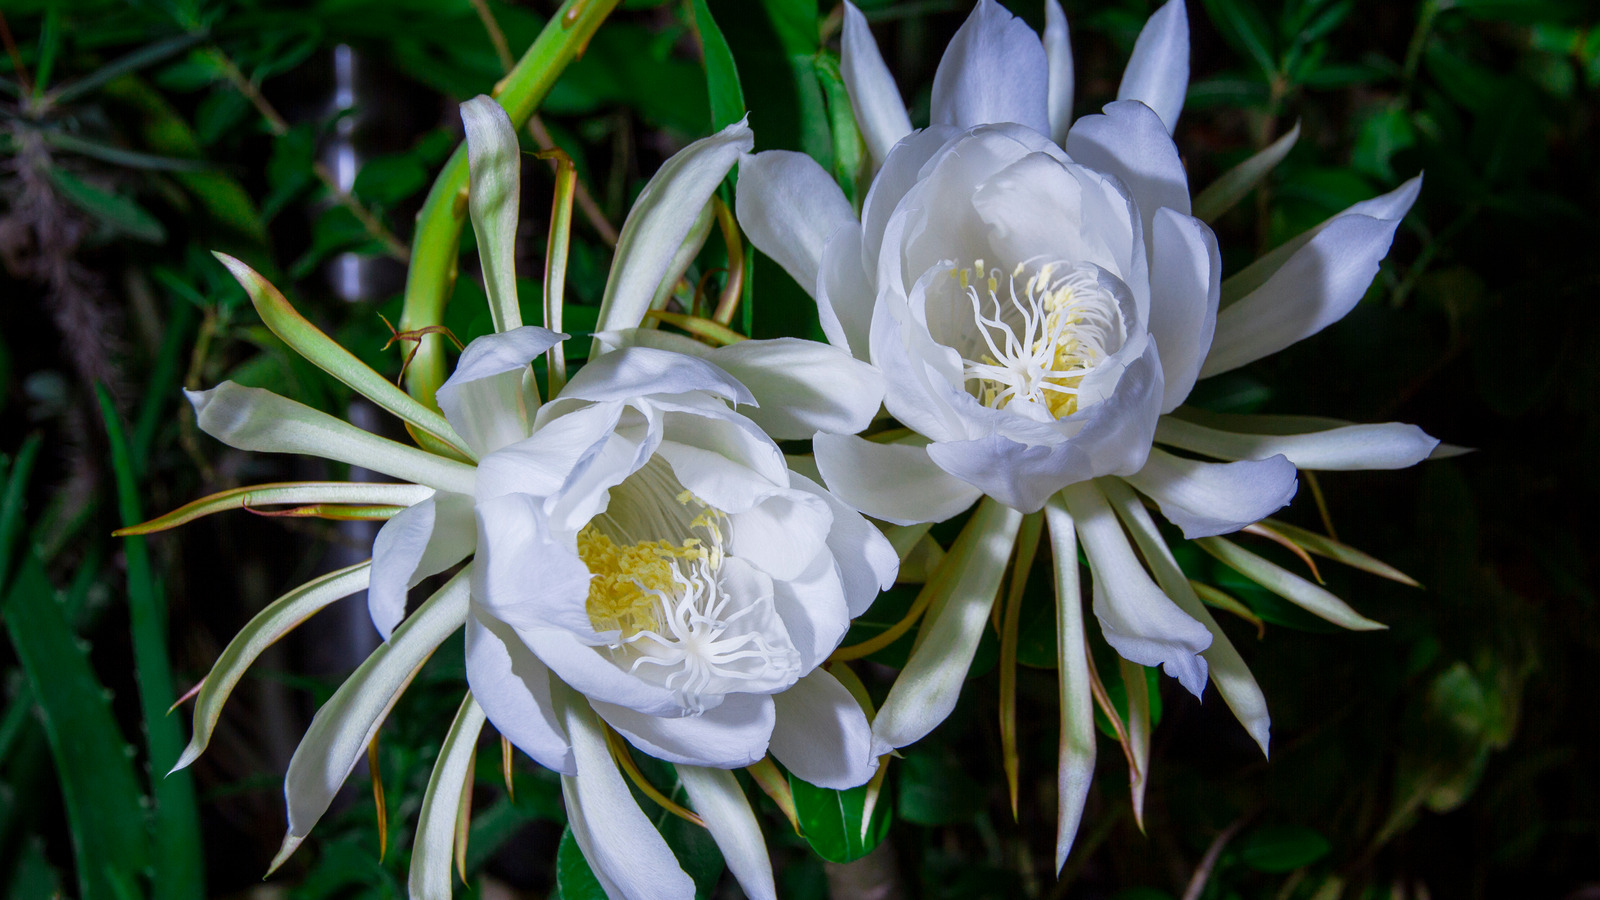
628, 578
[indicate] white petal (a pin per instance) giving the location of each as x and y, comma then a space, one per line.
803, 387
540, 465
1318, 285
494, 163
420, 540
731, 735
1185, 285
1129, 142
867, 561
344, 726
525, 576
1302, 593
822, 735
431, 876
994, 70
1139, 621
621, 845
880, 113
900, 171
813, 610
1158, 71
721, 803
582, 666
660, 219
491, 397
254, 419
1391, 445
897, 483
964, 590
514, 688
783, 534
1075, 760
1058, 54
635, 372
1228, 670
844, 293
790, 207
1205, 498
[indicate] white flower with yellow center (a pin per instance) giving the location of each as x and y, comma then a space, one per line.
1041, 299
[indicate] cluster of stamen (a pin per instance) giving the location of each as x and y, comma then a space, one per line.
1066, 322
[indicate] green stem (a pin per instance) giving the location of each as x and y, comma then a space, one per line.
435, 247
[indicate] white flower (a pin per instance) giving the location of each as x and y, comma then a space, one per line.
640, 554
1041, 301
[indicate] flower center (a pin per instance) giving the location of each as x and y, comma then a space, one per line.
1039, 333
680, 622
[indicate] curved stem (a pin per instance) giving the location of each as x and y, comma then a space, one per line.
434, 248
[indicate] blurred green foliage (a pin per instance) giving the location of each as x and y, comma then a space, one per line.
1450, 756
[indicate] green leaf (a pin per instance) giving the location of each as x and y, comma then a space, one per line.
117, 156
1243, 27
13, 501
120, 213
574, 879
795, 21
1282, 848
831, 820
722, 77
132, 62
178, 860
94, 765
935, 788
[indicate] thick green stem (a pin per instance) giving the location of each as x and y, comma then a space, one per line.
435, 248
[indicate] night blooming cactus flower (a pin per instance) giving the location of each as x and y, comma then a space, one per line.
641, 567
1041, 299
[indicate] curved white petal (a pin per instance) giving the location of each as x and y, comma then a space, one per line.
341, 730
721, 803
1205, 498
964, 590
660, 219
1058, 55
867, 561
1185, 285
897, 483
586, 670
790, 207
513, 687
494, 165
994, 70
822, 735
1390, 445
491, 397
1128, 141
634, 372
621, 845
874, 98
421, 540
1138, 620
540, 465
1302, 593
523, 574
1158, 71
731, 735
431, 876
1318, 285
803, 386
899, 173
1075, 759
844, 293
254, 419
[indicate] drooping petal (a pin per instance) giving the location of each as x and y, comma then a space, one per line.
278, 618
730, 736
874, 98
620, 844
897, 483
790, 207
494, 164
254, 419
419, 541
994, 70
1205, 498
1058, 55
844, 293
1291, 298
1128, 141
1138, 620
431, 876
634, 372
867, 561
1185, 285
822, 735
1235, 184
491, 397
965, 586
717, 797
1228, 670
513, 687
344, 726
660, 219
1075, 762
1158, 71
1338, 447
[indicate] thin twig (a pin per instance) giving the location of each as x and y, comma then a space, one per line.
496, 36
1202, 872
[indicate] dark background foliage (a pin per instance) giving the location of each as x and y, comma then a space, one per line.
1449, 756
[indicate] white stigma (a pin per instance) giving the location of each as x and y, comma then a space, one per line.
1041, 343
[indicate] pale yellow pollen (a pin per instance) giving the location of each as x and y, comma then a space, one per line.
629, 579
